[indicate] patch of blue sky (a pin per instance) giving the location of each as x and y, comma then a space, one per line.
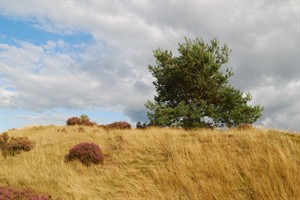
8, 121
12, 31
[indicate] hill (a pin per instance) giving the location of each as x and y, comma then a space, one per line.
158, 164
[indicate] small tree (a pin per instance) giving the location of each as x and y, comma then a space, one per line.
192, 91
84, 117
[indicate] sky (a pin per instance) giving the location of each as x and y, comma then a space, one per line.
66, 58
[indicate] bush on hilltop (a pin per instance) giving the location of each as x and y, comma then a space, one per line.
117, 125
83, 120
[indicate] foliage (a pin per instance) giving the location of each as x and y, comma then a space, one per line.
140, 125
83, 117
193, 91
12, 146
86, 153
17, 145
7, 193
117, 125
73, 121
83, 120
86, 122
3, 139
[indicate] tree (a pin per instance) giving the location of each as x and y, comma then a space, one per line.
84, 117
193, 92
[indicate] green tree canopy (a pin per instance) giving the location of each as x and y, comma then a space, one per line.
192, 91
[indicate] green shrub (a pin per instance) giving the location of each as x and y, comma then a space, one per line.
87, 153
140, 125
83, 116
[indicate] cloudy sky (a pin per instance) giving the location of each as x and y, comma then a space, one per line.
67, 58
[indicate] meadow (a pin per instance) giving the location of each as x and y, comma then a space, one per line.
158, 163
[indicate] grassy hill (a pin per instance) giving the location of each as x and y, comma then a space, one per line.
158, 164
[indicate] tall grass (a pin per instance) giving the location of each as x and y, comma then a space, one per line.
159, 164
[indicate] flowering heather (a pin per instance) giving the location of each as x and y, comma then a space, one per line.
3, 139
118, 125
87, 153
7, 193
79, 121
16, 145
73, 121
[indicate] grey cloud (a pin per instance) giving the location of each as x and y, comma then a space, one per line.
142, 87
137, 114
281, 102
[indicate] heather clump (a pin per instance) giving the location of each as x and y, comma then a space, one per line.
3, 139
87, 153
12, 146
7, 193
17, 145
118, 125
83, 120
73, 121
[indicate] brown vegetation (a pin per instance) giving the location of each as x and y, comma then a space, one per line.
86, 152
12, 146
7, 193
79, 121
117, 125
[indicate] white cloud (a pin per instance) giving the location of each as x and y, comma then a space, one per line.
53, 79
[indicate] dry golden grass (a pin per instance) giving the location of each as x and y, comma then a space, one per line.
159, 164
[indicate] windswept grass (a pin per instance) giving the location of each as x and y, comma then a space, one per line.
159, 164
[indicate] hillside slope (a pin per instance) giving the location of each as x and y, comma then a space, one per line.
159, 164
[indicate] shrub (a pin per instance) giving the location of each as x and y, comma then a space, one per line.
118, 125
83, 120
86, 122
16, 145
87, 153
3, 139
242, 127
140, 125
73, 121
7, 193
83, 116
